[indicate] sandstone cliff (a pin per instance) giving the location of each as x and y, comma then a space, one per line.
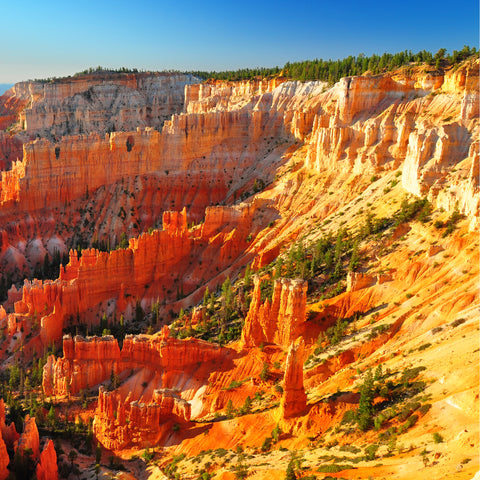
155, 266
362, 126
97, 103
89, 361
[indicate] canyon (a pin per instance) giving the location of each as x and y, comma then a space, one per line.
160, 189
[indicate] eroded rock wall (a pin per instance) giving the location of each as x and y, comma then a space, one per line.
122, 421
89, 361
280, 320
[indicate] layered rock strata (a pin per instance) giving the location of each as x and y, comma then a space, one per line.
361, 126
155, 266
95, 103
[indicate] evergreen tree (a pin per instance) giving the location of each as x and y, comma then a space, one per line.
247, 406
248, 277
290, 474
51, 417
365, 405
230, 411
264, 374
206, 297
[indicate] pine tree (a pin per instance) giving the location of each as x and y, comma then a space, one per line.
248, 277
51, 417
247, 406
230, 411
206, 297
355, 258
365, 405
264, 374
276, 432
290, 474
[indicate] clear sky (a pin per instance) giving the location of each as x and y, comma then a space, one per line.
54, 38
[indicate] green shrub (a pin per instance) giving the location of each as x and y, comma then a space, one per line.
333, 468
425, 408
370, 452
411, 374
267, 444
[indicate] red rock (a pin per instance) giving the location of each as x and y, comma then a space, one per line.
174, 222
47, 468
4, 438
122, 421
86, 362
4, 460
29, 438
89, 361
294, 398
280, 321
266, 257
8, 433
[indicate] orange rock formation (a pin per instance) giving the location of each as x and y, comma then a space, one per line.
294, 399
29, 438
47, 468
122, 421
228, 136
4, 460
89, 361
279, 321
9, 433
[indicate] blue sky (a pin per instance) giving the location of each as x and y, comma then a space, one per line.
53, 38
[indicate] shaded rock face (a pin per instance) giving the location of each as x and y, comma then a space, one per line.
279, 321
294, 398
8, 433
4, 459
